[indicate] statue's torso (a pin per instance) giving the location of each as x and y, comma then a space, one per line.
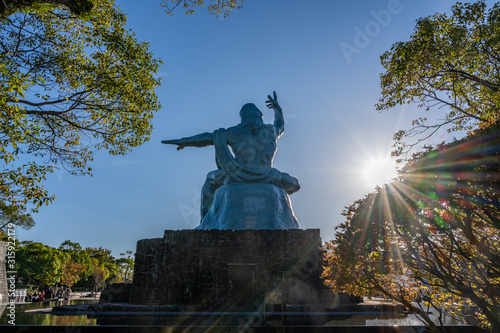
253, 150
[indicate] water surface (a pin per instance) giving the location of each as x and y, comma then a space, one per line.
25, 316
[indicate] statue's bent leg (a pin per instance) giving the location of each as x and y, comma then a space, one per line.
288, 183
215, 179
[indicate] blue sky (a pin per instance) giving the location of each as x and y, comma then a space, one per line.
212, 66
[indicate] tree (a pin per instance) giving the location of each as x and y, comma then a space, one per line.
70, 247
39, 264
451, 63
69, 85
93, 258
79, 256
71, 273
216, 7
77, 7
101, 254
99, 274
431, 238
14, 215
126, 266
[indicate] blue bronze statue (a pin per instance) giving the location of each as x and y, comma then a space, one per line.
254, 146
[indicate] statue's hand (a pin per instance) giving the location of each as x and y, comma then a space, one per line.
177, 142
272, 103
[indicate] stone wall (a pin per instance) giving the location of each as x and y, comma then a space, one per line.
4, 298
116, 293
213, 269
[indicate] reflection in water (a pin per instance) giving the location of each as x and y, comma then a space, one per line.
391, 320
3, 312
27, 318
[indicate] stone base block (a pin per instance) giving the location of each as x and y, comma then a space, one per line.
116, 293
230, 269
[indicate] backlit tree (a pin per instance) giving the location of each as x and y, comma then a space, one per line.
450, 68
430, 238
69, 85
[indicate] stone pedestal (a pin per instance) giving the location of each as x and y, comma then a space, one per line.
4, 296
239, 206
230, 269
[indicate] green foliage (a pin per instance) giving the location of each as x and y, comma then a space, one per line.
71, 265
80, 256
92, 258
430, 238
14, 215
77, 7
39, 264
216, 7
69, 85
99, 274
450, 63
126, 265
101, 254
71, 273
71, 247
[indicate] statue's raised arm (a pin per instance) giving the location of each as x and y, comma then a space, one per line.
200, 140
279, 121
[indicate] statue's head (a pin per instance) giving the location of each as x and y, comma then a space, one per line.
251, 117
250, 112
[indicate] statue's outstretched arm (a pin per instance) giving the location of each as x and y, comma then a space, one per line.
279, 121
200, 140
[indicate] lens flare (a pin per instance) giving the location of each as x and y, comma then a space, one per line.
379, 172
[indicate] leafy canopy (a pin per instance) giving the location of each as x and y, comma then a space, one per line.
10, 216
431, 238
40, 265
451, 62
126, 264
71, 273
77, 7
69, 85
216, 7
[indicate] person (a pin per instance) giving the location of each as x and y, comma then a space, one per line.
253, 144
60, 292
67, 293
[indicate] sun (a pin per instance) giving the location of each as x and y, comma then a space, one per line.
378, 172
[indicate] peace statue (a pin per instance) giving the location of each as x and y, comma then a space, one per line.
245, 192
